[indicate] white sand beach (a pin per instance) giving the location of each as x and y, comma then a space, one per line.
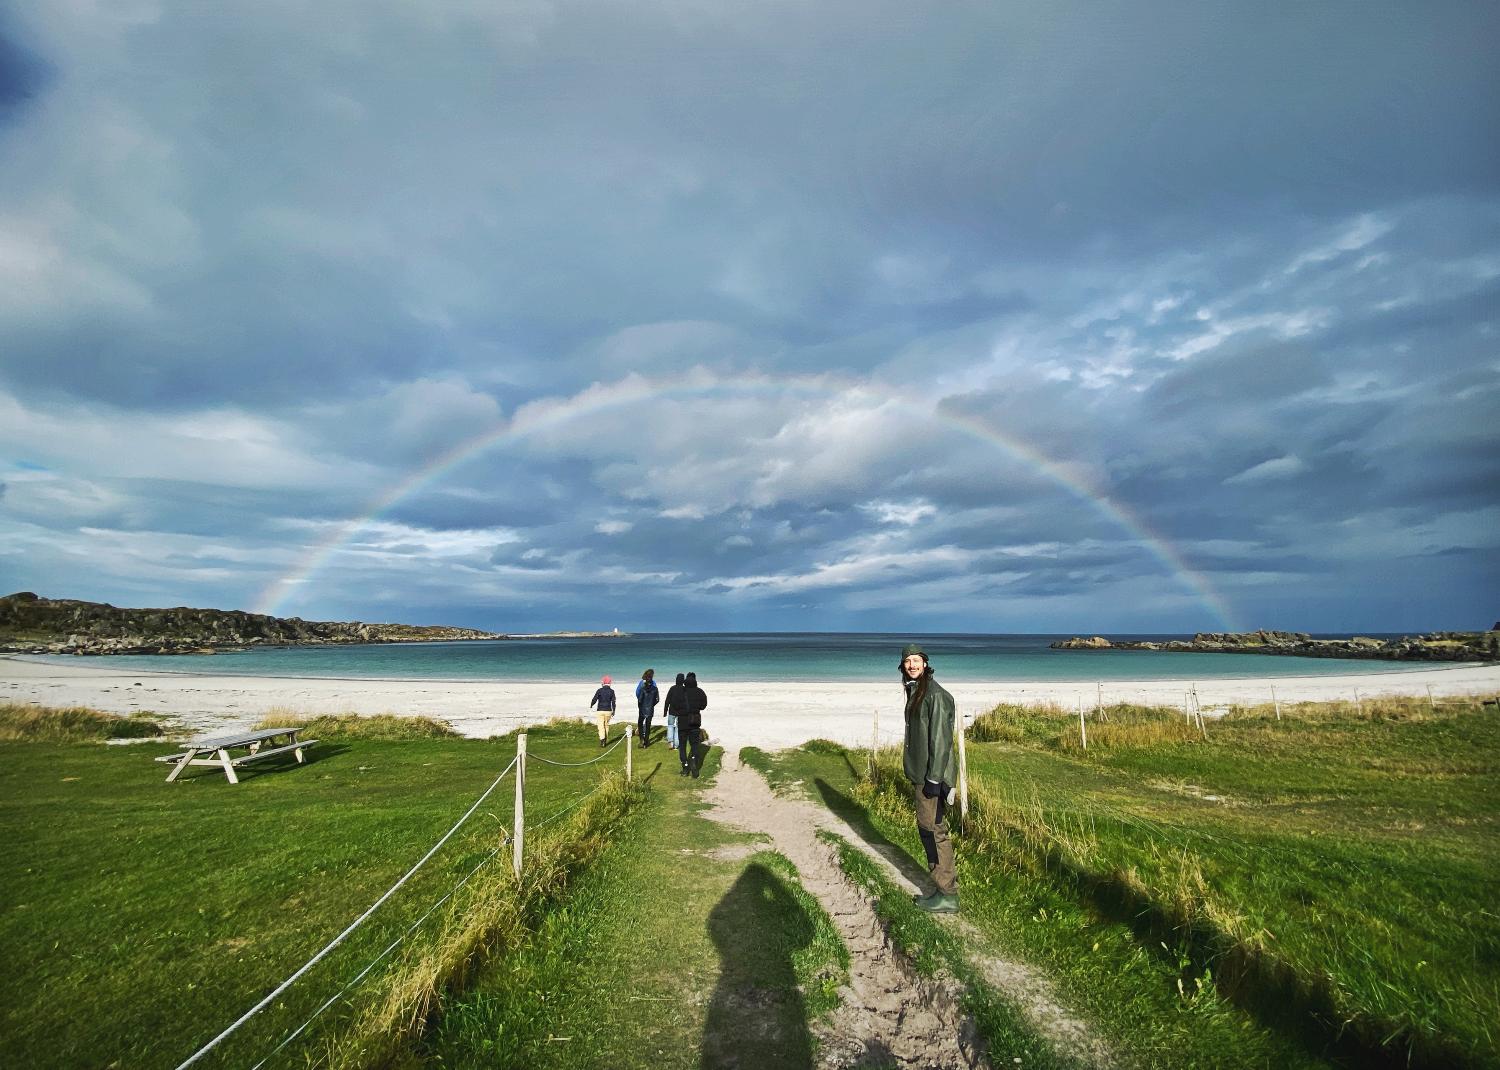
756, 713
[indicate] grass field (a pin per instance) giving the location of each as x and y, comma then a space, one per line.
1311, 891
1282, 893
143, 917
688, 945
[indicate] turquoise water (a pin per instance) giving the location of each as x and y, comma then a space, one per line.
736, 657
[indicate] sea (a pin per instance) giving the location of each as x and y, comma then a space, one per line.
738, 657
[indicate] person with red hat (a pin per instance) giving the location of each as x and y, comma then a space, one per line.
603, 705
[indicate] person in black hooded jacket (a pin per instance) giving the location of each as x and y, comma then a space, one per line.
672, 707
693, 702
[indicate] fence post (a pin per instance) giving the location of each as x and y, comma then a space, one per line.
1275, 702
629, 747
1083, 733
1358, 710
963, 772
520, 822
874, 740
1431, 705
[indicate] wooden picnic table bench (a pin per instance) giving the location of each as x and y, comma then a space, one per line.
263, 743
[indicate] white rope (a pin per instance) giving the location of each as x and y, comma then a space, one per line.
339, 939
362, 974
575, 765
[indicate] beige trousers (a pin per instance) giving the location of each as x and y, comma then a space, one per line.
934, 833
602, 718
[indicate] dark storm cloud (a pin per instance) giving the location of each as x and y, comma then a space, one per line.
1077, 280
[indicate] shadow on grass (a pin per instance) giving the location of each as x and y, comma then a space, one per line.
1299, 1006
757, 1017
858, 819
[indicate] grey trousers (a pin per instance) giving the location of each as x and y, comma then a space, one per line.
934, 832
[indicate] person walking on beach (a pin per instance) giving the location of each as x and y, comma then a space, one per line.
672, 706
690, 725
603, 704
646, 698
932, 768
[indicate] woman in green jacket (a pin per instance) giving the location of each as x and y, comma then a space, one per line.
932, 768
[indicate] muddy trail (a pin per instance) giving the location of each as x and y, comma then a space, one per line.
889, 1014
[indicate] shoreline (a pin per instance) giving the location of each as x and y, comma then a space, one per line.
768, 714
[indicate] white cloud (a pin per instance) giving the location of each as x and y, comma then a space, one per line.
1267, 471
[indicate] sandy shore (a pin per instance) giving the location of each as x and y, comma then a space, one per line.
762, 714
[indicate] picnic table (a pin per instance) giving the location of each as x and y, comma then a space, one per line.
221, 751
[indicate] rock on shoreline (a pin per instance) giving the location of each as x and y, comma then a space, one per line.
1436, 646
34, 625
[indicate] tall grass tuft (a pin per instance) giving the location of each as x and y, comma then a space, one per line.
74, 724
494, 912
380, 726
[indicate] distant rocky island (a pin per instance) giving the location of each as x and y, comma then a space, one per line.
1435, 646
35, 625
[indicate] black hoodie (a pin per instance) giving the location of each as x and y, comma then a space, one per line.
694, 702
673, 703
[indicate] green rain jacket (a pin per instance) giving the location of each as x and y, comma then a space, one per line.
929, 733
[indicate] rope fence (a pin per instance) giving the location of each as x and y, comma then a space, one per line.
513, 838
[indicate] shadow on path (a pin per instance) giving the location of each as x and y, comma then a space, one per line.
756, 1017
854, 815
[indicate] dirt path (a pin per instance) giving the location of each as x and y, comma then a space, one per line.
890, 1014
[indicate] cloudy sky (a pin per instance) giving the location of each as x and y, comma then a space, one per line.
699, 314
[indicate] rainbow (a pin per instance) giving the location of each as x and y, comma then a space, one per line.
538, 416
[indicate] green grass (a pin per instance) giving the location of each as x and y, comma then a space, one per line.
1333, 872
143, 917
26, 723
1344, 865
685, 946
346, 726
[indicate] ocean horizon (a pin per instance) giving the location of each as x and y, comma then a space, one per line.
814, 657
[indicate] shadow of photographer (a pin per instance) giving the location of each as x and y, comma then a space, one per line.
757, 1017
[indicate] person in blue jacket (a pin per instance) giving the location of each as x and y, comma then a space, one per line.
603, 705
646, 698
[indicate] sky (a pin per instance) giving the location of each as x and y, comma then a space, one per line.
687, 315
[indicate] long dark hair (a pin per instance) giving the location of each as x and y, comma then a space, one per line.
648, 674
920, 691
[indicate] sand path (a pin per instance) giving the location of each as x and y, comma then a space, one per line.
889, 1015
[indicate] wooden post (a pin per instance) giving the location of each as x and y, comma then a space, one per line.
629, 747
963, 772
874, 741
1187, 708
1275, 702
1083, 733
1098, 700
520, 822
1431, 705
1358, 711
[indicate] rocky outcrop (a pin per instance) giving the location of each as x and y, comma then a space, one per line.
1097, 642
32, 624
1437, 646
